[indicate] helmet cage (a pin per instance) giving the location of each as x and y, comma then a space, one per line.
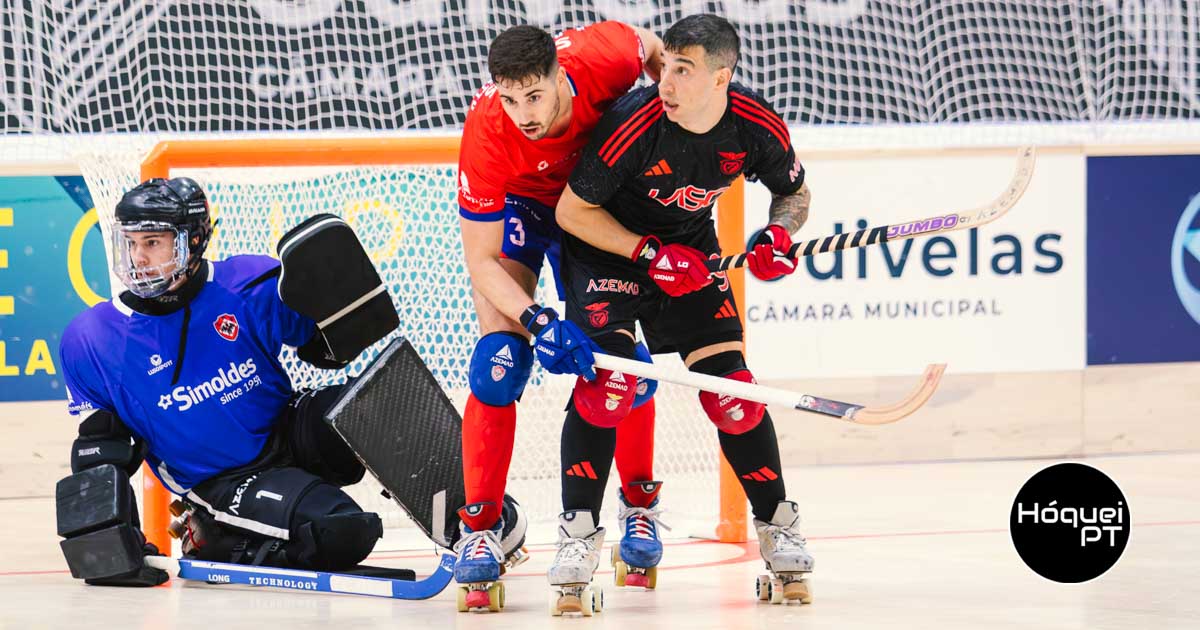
152, 280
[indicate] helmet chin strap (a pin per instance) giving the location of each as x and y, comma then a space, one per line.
173, 299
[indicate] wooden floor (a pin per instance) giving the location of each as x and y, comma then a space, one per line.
897, 546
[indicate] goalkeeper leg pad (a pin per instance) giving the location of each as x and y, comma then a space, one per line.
95, 511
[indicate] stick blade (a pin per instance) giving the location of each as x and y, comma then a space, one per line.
901, 409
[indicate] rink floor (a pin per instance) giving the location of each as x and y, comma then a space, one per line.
897, 546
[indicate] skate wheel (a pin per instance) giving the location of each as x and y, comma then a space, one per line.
480, 599
620, 577
598, 600
762, 588
615, 556
651, 577
561, 602
587, 599
514, 559
177, 507
495, 595
798, 591
462, 599
177, 529
775, 591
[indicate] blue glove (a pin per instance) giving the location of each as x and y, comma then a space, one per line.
560, 346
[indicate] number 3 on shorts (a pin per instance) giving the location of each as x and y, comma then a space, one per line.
518, 232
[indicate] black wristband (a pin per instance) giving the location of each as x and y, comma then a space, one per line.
533, 323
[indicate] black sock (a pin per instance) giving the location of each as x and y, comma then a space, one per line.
587, 455
754, 457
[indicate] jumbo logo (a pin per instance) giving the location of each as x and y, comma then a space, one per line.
689, 197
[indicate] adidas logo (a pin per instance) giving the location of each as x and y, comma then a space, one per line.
658, 169
582, 469
762, 474
726, 311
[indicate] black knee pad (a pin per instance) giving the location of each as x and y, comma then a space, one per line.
335, 542
330, 532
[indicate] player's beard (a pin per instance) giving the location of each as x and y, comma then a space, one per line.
544, 128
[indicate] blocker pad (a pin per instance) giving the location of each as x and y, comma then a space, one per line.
327, 276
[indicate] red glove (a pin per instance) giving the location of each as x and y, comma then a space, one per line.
768, 257
676, 269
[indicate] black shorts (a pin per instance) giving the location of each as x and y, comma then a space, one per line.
303, 459
606, 293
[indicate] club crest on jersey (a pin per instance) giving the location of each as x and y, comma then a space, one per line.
690, 198
598, 316
731, 162
227, 326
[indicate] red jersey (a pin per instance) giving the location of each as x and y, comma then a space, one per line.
602, 62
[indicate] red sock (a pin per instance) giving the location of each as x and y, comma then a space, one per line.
635, 449
487, 445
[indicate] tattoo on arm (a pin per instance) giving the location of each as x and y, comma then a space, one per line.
791, 211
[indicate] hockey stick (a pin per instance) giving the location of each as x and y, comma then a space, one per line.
301, 580
858, 414
940, 224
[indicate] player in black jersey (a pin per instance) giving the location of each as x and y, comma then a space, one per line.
637, 214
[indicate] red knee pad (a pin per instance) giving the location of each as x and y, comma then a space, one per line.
731, 414
605, 401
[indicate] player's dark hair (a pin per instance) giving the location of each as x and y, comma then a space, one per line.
713, 33
521, 53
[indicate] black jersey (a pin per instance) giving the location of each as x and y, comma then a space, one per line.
655, 177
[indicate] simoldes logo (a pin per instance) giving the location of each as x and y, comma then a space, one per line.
188, 397
1185, 256
690, 198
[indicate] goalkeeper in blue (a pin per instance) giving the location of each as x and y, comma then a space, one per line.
182, 371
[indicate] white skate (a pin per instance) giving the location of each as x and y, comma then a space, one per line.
783, 550
579, 544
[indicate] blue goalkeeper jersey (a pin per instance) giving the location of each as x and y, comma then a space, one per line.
203, 385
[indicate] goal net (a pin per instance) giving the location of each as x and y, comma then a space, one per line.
406, 216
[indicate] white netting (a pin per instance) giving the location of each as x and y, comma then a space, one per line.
407, 220
968, 72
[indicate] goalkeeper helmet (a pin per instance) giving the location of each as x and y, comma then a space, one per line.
161, 229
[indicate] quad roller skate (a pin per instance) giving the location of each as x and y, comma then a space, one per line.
579, 544
635, 558
788, 561
479, 566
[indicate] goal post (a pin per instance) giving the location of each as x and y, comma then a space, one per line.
427, 166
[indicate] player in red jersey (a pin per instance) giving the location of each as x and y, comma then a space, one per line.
523, 135
639, 209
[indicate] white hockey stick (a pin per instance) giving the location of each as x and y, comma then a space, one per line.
850, 412
948, 222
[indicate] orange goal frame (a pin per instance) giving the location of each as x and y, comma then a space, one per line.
361, 151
